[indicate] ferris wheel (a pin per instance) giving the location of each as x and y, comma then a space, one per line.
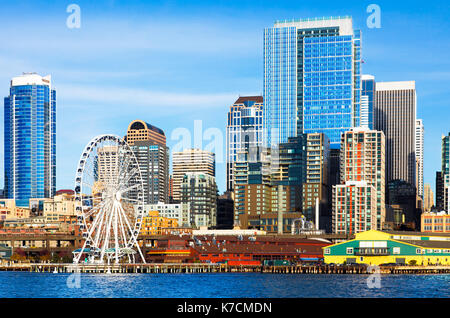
109, 201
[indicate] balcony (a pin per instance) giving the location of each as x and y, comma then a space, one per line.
372, 251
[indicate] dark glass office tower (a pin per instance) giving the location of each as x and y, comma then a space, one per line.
395, 115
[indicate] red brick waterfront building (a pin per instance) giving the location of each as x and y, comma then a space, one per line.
236, 250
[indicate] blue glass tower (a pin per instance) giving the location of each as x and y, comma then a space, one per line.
30, 139
312, 79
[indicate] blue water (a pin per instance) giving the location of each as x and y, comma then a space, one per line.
219, 285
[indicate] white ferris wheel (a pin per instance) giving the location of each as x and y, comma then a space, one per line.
109, 202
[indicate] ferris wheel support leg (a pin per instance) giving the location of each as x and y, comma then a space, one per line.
140, 253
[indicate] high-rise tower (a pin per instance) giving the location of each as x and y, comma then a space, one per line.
190, 160
244, 130
312, 81
419, 155
149, 146
395, 115
30, 138
362, 172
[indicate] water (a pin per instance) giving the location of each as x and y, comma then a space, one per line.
219, 285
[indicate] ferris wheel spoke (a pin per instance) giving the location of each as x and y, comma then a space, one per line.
89, 165
131, 174
133, 237
88, 185
99, 229
105, 245
116, 236
99, 204
131, 200
122, 230
94, 223
130, 188
126, 221
124, 164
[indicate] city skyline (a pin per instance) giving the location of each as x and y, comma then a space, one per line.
85, 93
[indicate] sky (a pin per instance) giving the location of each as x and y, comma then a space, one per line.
171, 63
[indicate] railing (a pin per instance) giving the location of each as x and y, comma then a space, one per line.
371, 251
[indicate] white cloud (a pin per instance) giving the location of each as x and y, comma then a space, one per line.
78, 95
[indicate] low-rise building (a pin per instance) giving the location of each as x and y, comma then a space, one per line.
9, 210
435, 222
5, 253
256, 250
173, 211
376, 248
61, 204
154, 223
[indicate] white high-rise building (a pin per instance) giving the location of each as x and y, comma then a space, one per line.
419, 155
190, 160
364, 111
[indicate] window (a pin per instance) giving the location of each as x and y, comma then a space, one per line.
418, 251
396, 250
327, 251
349, 250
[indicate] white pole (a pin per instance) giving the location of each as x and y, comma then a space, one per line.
317, 214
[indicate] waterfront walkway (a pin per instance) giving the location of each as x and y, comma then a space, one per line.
219, 268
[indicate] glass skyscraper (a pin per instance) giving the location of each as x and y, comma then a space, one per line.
30, 138
244, 130
312, 81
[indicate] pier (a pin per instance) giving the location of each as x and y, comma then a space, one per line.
174, 268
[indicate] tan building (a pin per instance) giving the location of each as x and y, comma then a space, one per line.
61, 211
153, 224
62, 204
435, 222
139, 130
263, 202
9, 210
190, 160
428, 198
317, 174
107, 162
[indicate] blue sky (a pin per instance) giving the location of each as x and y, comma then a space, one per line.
173, 62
